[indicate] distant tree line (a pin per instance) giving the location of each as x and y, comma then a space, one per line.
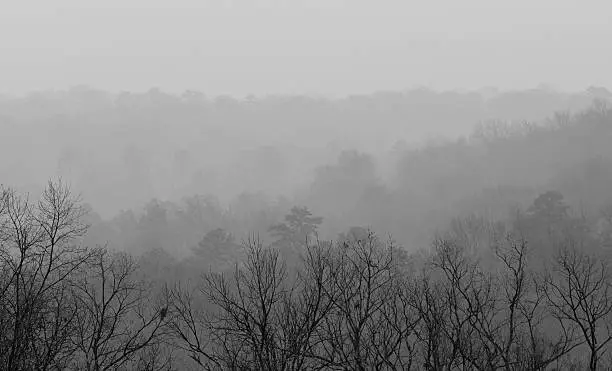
155, 144
485, 174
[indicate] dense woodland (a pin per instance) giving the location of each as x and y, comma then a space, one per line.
486, 250
157, 145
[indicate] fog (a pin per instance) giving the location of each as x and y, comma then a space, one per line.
305, 185
122, 150
317, 47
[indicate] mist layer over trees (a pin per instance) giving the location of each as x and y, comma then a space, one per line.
157, 145
294, 233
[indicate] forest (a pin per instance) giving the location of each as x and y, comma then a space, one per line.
414, 230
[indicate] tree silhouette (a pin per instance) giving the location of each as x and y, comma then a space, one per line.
297, 230
579, 292
550, 207
218, 247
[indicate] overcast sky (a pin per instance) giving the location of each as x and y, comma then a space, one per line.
327, 47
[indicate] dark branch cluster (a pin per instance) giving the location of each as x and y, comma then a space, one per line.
63, 306
361, 303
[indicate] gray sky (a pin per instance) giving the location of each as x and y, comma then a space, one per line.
313, 46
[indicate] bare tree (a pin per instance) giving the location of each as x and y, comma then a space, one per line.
190, 328
346, 308
244, 321
427, 298
370, 323
468, 294
579, 294
491, 319
471, 231
257, 318
307, 306
118, 323
39, 252
517, 329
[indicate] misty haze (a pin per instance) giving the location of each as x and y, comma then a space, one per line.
305, 185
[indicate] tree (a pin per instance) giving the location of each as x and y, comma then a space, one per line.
473, 232
428, 301
467, 292
63, 306
578, 291
118, 320
153, 226
546, 222
488, 317
344, 309
39, 253
343, 184
370, 323
218, 247
517, 326
549, 207
354, 234
244, 328
157, 266
299, 228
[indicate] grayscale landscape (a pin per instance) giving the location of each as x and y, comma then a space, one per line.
305, 185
